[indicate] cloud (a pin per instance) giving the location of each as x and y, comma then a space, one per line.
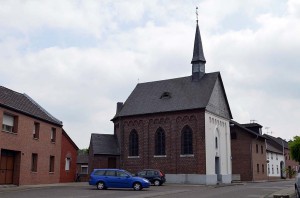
78, 58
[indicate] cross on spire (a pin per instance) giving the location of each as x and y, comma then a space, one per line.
197, 14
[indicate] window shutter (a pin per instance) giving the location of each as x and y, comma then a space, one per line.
8, 120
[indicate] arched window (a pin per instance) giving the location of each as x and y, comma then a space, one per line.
160, 142
186, 141
216, 142
133, 143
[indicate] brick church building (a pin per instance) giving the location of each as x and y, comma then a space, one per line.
179, 125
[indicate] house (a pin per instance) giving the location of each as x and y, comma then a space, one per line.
179, 125
32, 142
82, 167
278, 154
68, 159
103, 151
248, 151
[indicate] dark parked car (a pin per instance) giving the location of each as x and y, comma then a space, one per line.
297, 185
116, 178
156, 177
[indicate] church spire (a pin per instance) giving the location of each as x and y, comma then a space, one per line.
198, 61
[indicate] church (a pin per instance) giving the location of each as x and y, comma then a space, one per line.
180, 126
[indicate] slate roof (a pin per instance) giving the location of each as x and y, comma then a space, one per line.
24, 104
246, 130
277, 141
104, 144
184, 95
198, 55
252, 125
273, 149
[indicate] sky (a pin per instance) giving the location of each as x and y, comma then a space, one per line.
78, 58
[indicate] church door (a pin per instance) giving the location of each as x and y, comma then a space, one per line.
111, 162
217, 168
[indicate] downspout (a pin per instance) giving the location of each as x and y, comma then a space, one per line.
252, 160
122, 153
148, 161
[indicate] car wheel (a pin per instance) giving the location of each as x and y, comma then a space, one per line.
100, 185
156, 183
137, 186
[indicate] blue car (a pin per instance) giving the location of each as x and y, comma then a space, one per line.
116, 178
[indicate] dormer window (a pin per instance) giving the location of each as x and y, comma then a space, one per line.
165, 95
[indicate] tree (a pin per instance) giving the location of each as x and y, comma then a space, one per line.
84, 151
295, 148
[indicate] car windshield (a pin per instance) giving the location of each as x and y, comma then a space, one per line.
128, 173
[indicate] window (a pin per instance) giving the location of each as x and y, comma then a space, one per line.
160, 144
277, 169
271, 155
34, 160
121, 174
99, 172
51, 164
9, 123
36, 130
165, 95
68, 163
110, 173
267, 155
216, 142
84, 169
262, 149
263, 168
53, 134
187, 141
257, 167
256, 148
272, 169
268, 169
133, 143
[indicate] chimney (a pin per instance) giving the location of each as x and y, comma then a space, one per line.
119, 107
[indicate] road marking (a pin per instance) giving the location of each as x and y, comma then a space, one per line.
157, 194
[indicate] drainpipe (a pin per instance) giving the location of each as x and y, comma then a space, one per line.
252, 159
283, 159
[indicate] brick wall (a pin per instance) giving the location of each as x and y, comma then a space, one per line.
172, 123
68, 150
24, 144
245, 158
259, 158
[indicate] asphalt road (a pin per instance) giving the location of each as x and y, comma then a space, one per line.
83, 190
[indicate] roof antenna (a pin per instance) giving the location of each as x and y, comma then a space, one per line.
197, 14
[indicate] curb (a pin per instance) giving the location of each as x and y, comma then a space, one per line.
284, 193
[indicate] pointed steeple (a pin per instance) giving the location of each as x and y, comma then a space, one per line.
198, 55
198, 61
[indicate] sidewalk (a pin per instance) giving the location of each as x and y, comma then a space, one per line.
284, 193
5, 188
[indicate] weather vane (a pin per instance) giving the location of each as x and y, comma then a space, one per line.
197, 13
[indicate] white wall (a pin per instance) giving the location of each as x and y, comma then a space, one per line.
217, 127
274, 161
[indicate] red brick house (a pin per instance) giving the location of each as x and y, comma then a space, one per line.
68, 159
180, 126
30, 141
104, 152
82, 170
248, 151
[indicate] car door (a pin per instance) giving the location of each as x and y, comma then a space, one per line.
110, 179
123, 179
